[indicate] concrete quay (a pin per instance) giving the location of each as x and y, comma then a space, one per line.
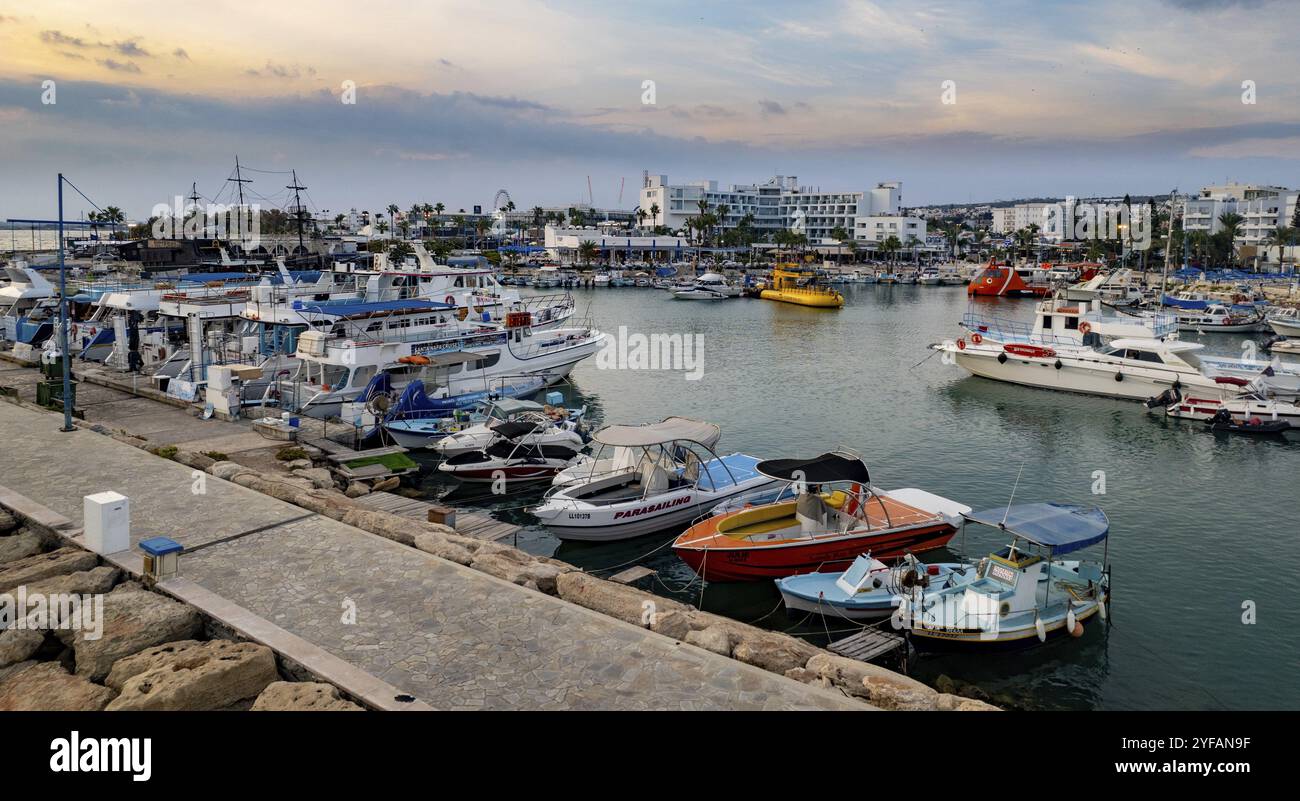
444, 634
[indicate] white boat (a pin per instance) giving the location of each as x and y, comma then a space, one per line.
622, 459
513, 456
1021, 595
1251, 405
715, 282
696, 293
553, 426
1285, 322
869, 589
675, 478
1218, 318
930, 276
601, 279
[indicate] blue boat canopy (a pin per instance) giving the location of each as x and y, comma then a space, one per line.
1063, 527
354, 308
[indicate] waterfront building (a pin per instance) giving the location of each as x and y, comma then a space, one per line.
1262, 208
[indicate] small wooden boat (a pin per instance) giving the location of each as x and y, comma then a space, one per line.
868, 590
835, 516
1021, 595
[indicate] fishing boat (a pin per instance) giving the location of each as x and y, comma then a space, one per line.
512, 457
869, 589
664, 476
1021, 595
555, 425
1216, 318
794, 284
834, 516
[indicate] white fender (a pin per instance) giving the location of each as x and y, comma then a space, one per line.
1069, 618
1101, 608
1040, 628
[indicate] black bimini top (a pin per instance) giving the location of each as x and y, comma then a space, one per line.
515, 429
825, 469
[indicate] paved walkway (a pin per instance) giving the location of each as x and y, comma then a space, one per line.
448, 635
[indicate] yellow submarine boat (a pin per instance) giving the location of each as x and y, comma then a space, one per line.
786, 288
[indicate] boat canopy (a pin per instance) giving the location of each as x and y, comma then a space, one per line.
1172, 346
515, 429
825, 469
1063, 527
513, 406
671, 429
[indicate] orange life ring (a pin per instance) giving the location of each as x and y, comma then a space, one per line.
450, 300
961, 344
976, 338
1085, 327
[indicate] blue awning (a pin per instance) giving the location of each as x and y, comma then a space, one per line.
1062, 527
355, 308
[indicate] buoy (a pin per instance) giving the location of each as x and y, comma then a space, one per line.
1040, 628
1058, 364
1085, 328
1119, 376
961, 344
1076, 631
976, 338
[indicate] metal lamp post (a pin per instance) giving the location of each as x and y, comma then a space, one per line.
63, 322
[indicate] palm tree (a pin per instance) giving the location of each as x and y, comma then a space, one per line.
587, 250
654, 214
839, 235
1230, 226
392, 212
1281, 236
538, 214
891, 246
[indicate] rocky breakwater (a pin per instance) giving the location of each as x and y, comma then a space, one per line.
74, 635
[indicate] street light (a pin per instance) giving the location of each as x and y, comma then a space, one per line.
63, 322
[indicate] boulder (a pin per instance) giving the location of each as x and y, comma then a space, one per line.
302, 696
356, 489
7, 522
227, 470
616, 600
440, 546
19, 545
880, 686
947, 702
714, 638
298, 464
386, 484
387, 525
47, 687
518, 568
320, 477
134, 619
774, 652
198, 461
45, 565
191, 675
85, 582
18, 645
671, 624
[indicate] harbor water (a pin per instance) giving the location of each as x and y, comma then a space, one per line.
1204, 526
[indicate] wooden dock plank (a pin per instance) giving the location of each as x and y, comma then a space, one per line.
866, 645
471, 524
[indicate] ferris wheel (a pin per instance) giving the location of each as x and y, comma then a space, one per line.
502, 198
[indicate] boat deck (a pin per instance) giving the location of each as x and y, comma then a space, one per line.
880, 513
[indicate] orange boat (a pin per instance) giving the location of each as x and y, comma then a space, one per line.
829, 516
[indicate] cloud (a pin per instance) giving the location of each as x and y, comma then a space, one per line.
118, 66
181, 54
129, 48
771, 107
282, 71
1215, 5
62, 39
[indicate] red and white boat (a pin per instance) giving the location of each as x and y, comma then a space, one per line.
1003, 280
830, 515
514, 455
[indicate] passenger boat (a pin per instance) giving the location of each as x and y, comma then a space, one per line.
835, 516
663, 475
512, 457
555, 425
1021, 595
869, 589
794, 284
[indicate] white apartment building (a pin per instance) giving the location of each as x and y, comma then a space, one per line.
1263, 208
1004, 220
777, 204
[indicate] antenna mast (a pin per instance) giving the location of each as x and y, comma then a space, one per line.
297, 210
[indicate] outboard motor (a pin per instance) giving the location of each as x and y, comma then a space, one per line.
1164, 399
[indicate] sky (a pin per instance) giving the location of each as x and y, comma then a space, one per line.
962, 101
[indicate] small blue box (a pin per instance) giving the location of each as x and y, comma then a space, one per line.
159, 546
555, 398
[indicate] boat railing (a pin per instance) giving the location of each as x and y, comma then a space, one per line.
1005, 329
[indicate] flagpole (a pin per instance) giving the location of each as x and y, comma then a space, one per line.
63, 322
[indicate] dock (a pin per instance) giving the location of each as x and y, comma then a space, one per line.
869, 644
471, 524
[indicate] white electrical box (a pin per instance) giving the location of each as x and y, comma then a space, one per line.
108, 522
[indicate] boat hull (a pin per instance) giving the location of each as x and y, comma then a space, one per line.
820, 300
1286, 328
777, 560
1019, 638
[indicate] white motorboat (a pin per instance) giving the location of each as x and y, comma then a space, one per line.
1250, 406
622, 459
666, 476
1285, 322
553, 426
512, 457
601, 280
715, 282
1218, 318
930, 276
696, 293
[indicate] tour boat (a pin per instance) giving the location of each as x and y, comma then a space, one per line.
555, 425
512, 457
869, 589
835, 516
793, 284
1021, 595
665, 475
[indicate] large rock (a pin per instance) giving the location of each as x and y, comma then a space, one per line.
20, 545
356, 489
775, 652
95, 581
671, 623
880, 686
18, 645
7, 522
46, 686
517, 567
302, 696
320, 477
228, 470
714, 638
387, 525
192, 675
45, 565
616, 600
134, 619
440, 546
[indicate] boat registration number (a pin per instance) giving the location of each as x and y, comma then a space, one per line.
1002, 574
579, 515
